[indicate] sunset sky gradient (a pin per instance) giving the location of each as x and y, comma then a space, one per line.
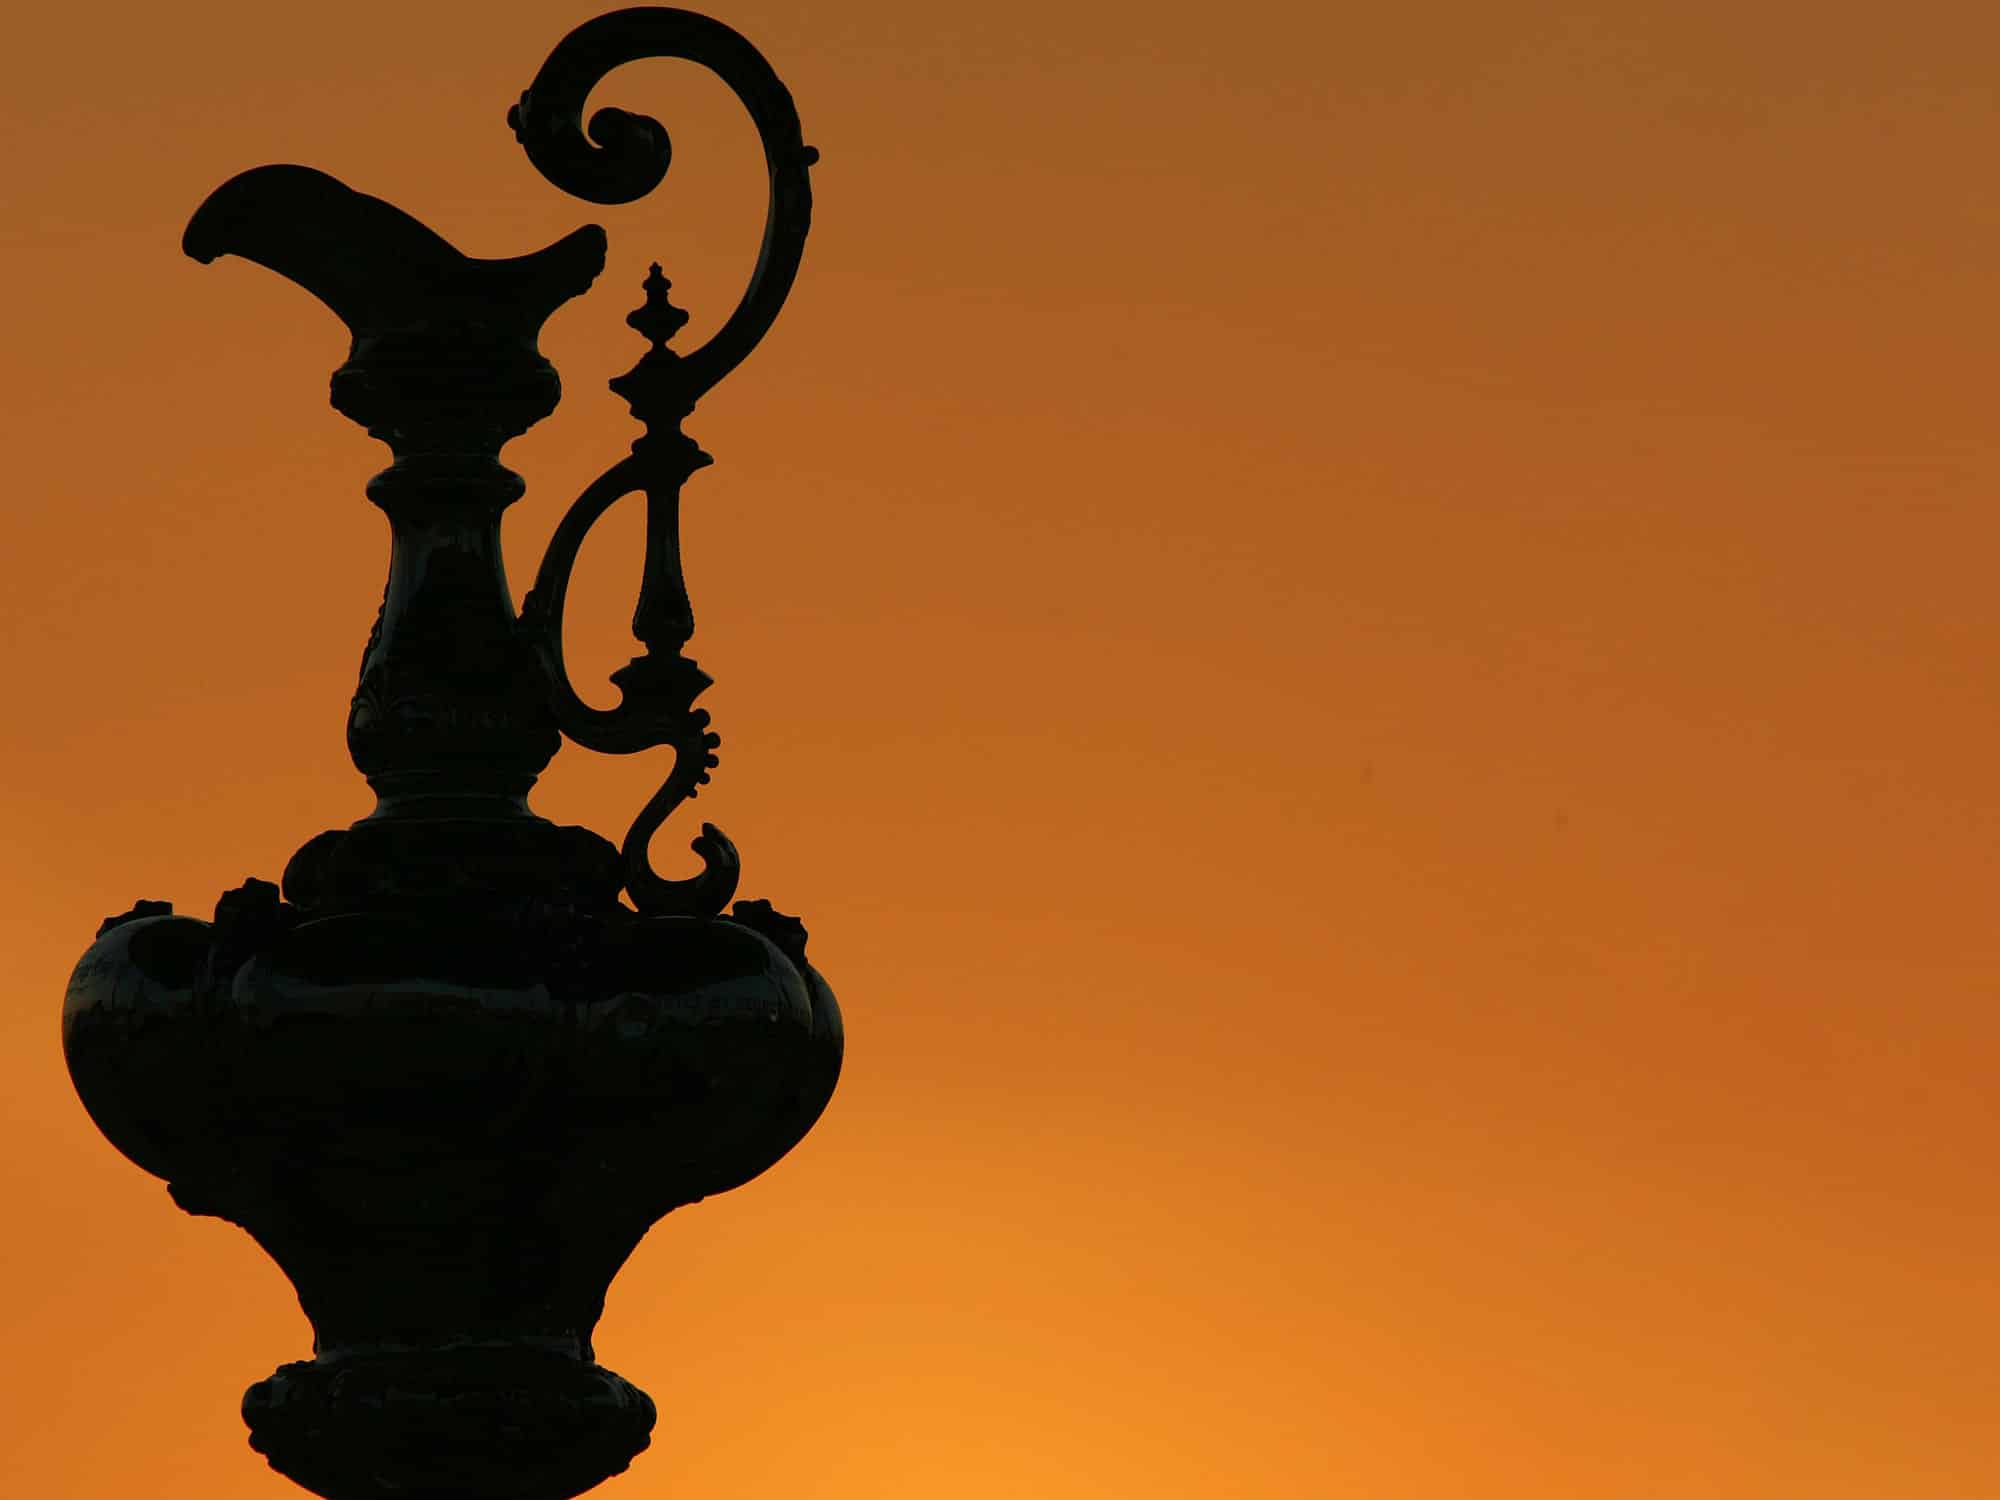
1365, 633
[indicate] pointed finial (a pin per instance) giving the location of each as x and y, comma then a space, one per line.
656, 387
658, 320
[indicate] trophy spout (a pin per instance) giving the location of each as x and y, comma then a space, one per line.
380, 269
445, 357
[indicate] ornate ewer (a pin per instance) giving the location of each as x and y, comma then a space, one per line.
445, 1075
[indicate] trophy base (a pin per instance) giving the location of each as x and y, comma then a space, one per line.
457, 1423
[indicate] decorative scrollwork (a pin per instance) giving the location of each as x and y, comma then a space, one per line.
625, 156
655, 708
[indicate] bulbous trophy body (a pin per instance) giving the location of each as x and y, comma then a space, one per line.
450, 1132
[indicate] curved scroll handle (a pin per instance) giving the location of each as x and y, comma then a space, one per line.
631, 152
656, 707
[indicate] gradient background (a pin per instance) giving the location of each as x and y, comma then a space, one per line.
1365, 633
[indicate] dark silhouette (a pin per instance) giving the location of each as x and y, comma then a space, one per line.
446, 1077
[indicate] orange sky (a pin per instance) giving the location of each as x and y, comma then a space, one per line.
1364, 633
